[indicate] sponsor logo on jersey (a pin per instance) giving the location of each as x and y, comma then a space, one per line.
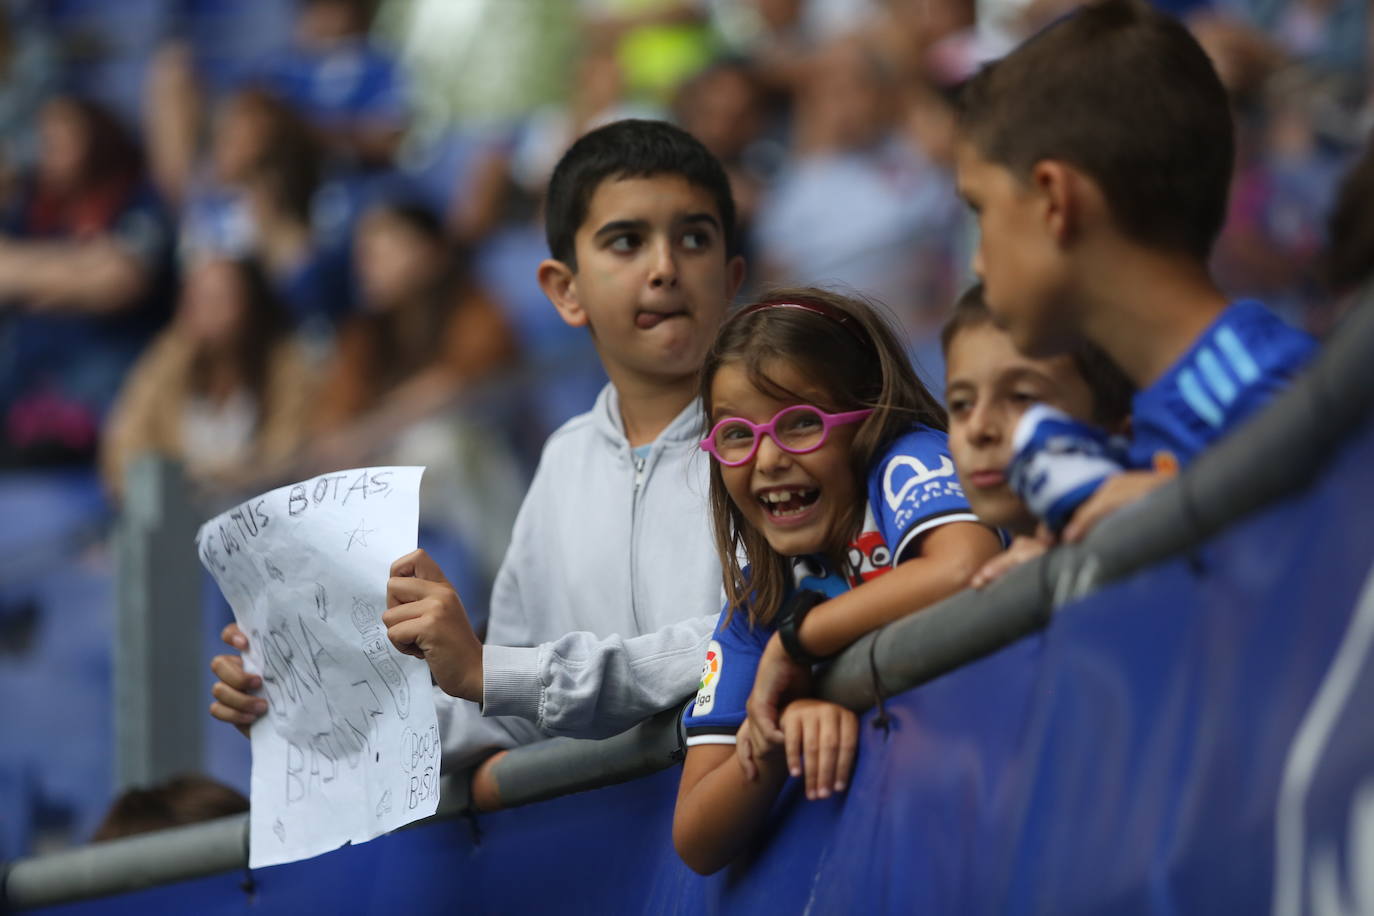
710, 679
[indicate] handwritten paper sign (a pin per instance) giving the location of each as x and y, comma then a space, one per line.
349, 749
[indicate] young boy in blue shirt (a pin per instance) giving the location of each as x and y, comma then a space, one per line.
1098, 158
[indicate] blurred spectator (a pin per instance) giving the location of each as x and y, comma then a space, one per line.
656, 43
508, 182
781, 36
224, 389
104, 47
932, 37
1284, 184
28, 74
342, 82
181, 800
855, 201
724, 106
248, 125
255, 194
424, 334
85, 270
1330, 35
424, 331
307, 264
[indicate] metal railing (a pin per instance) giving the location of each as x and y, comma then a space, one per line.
1276, 454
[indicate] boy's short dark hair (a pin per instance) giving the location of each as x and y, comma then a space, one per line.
628, 149
1124, 93
1112, 391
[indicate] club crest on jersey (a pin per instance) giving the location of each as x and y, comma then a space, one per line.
710, 680
918, 476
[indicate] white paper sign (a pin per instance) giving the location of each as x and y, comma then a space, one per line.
349, 749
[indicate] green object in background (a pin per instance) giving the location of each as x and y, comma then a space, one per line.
657, 59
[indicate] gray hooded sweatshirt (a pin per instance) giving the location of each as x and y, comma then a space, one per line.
608, 594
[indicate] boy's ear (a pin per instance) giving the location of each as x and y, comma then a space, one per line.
734, 276
1061, 189
559, 283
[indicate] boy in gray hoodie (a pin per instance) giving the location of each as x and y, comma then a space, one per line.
610, 588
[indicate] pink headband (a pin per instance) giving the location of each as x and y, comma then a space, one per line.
824, 311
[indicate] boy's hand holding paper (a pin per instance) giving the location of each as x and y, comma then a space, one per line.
349, 746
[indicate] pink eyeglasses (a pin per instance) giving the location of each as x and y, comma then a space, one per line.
798, 429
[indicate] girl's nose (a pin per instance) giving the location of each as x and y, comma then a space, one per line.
770, 456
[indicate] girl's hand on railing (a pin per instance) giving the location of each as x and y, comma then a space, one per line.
820, 739
749, 754
777, 681
233, 701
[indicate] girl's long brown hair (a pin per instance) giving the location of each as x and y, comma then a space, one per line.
848, 349
266, 323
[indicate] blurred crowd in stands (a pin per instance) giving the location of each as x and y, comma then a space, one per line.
260, 237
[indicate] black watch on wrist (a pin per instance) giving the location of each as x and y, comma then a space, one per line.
793, 613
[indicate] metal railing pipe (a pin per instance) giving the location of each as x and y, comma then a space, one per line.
130, 863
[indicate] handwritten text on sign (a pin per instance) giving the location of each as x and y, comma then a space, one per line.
349, 749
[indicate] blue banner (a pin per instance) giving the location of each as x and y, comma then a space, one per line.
1194, 740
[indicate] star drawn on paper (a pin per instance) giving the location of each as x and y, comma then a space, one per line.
359, 535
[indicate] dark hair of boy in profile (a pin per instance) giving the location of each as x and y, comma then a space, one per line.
629, 149
1126, 95
1111, 389
186, 799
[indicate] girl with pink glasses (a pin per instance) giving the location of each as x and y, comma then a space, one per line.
831, 477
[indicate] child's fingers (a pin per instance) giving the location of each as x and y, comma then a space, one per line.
849, 744
237, 700
764, 716
743, 753
406, 635
746, 762
1022, 550
420, 565
405, 589
233, 636
759, 744
829, 740
792, 740
811, 753
230, 670
232, 716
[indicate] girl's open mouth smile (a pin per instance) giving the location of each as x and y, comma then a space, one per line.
788, 504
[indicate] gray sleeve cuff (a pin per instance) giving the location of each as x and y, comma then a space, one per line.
510, 682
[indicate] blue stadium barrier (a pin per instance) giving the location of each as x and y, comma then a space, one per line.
1193, 738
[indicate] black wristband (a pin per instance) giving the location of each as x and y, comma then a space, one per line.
793, 613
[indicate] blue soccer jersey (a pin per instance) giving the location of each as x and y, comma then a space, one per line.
911, 490
1247, 356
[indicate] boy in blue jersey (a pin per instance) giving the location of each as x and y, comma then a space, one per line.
1098, 156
